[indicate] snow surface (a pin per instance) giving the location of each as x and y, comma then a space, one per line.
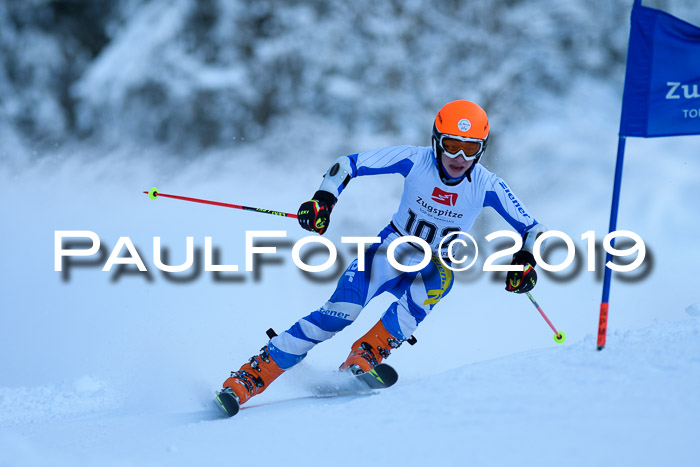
633, 404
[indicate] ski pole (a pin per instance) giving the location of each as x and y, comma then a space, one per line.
559, 337
153, 193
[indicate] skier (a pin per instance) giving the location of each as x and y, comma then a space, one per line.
445, 188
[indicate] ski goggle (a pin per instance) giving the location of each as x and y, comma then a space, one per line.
469, 148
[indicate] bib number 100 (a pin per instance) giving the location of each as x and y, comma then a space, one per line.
424, 229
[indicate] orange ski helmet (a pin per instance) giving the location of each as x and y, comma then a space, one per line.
461, 128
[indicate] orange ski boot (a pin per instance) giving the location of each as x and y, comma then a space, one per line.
369, 350
253, 377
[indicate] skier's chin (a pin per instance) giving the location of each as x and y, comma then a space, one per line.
455, 171
455, 167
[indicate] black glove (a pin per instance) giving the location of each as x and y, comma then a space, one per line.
315, 215
521, 282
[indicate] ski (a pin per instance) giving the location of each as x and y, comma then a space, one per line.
227, 402
381, 376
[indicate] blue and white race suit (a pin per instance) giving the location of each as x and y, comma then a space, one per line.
429, 209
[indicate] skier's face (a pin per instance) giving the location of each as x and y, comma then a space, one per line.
456, 167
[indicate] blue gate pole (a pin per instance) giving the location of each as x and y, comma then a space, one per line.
603, 322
